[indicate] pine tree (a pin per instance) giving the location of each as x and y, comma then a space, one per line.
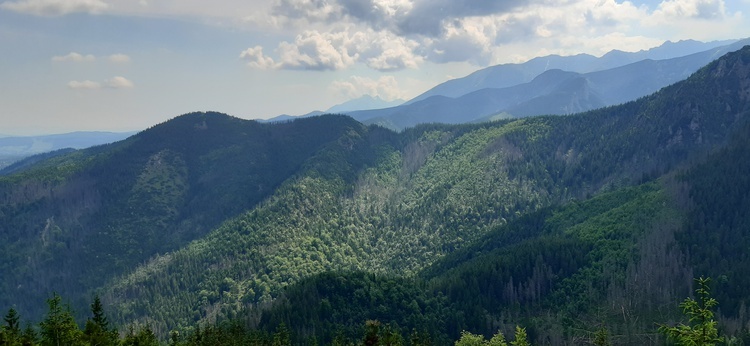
97, 331
469, 339
372, 333
28, 337
601, 337
144, 337
59, 327
10, 333
521, 337
701, 329
389, 336
282, 337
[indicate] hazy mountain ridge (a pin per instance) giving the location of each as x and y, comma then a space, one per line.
551, 92
509, 75
364, 102
506, 75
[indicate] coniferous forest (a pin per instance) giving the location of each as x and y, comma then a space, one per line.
585, 229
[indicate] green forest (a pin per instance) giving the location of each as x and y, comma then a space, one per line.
59, 328
554, 230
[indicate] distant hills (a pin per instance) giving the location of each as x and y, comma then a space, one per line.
562, 224
507, 75
534, 88
361, 103
14, 148
553, 91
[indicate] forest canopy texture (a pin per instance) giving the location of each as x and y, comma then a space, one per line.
324, 229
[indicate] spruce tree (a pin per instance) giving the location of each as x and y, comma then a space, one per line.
10, 333
701, 328
59, 328
97, 331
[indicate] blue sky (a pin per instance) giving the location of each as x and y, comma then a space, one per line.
120, 65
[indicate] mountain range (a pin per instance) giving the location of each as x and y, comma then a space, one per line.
535, 88
563, 224
553, 91
507, 75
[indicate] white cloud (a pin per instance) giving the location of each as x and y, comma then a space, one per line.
87, 84
256, 59
74, 57
696, 19
391, 35
704, 9
384, 51
118, 82
313, 50
119, 58
386, 87
312, 10
338, 50
53, 8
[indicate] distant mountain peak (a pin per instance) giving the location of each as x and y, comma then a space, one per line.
364, 102
507, 75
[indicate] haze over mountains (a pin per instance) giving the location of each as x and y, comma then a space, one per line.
480, 97
506, 75
361, 103
536, 87
557, 223
510, 90
14, 148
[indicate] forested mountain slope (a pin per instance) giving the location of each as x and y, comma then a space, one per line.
393, 204
553, 222
621, 260
70, 223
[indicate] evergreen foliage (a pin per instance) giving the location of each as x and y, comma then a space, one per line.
217, 230
701, 329
59, 326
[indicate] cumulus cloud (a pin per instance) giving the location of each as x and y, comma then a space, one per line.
116, 82
52, 8
396, 34
87, 84
313, 50
74, 57
385, 87
312, 10
119, 58
256, 59
394, 59
703, 9
337, 50
385, 51
389, 35
427, 17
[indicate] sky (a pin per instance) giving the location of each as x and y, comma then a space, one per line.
123, 65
